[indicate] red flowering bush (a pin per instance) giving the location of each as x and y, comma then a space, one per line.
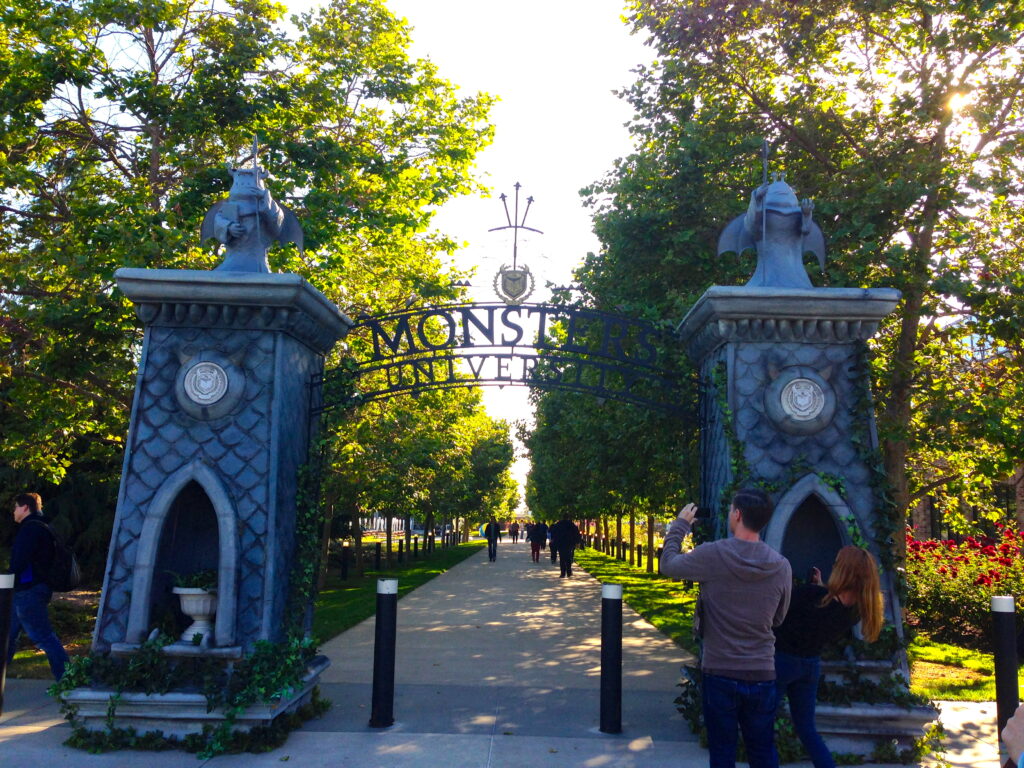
950, 584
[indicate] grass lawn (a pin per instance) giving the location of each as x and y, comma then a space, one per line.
951, 673
667, 604
341, 604
938, 671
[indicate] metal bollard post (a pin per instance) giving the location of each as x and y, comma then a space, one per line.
344, 562
382, 712
376, 556
6, 601
401, 557
611, 658
1004, 633
640, 556
416, 548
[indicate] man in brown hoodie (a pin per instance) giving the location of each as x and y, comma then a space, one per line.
744, 592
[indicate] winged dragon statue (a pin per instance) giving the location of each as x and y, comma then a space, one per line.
249, 221
781, 230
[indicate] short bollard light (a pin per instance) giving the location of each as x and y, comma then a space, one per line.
382, 711
611, 658
376, 556
1004, 634
6, 600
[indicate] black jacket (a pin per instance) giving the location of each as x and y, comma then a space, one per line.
539, 533
810, 626
31, 553
564, 535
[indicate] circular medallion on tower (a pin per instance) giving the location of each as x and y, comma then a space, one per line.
799, 400
205, 383
802, 399
208, 385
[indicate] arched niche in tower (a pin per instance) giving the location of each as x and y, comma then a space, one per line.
807, 527
189, 526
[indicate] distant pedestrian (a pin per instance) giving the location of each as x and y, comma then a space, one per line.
31, 557
565, 537
538, 539
491, 532
514, 532
551, 544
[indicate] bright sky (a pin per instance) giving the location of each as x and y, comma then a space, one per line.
558, 127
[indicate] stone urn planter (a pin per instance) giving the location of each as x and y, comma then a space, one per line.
200, 605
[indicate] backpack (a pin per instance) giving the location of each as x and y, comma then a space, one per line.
64, 574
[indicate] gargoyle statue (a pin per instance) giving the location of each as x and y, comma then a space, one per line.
249, 220
781, 230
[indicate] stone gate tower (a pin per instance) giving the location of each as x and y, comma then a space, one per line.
219, 428
785, 405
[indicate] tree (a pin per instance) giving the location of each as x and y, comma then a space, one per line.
903, 120
118, 120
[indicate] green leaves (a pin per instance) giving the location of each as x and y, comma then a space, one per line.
899, 120
118, 120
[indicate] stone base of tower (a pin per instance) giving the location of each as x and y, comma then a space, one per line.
178, 714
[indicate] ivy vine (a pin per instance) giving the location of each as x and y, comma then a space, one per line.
886, 519
271, 672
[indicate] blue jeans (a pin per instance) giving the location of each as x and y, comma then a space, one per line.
797, 679
29, 614
492, 549
729, 703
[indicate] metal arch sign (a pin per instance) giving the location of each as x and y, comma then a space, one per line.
498, 344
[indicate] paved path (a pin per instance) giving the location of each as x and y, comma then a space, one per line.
498, 665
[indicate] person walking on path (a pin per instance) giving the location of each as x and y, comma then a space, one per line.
818, 615
565, 536
744, 592
31, 557
491, 532
514, 532
538, 539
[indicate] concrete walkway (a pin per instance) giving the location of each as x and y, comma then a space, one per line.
498, 665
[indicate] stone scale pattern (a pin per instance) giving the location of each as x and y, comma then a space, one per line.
164, 439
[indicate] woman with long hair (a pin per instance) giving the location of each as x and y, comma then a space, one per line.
819, 614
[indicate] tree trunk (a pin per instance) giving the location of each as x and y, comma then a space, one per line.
1018, 495
359, 545
618, 535
898, 411
650, 543
325, 547
632, 537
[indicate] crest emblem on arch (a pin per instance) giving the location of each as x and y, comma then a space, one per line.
513, 285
